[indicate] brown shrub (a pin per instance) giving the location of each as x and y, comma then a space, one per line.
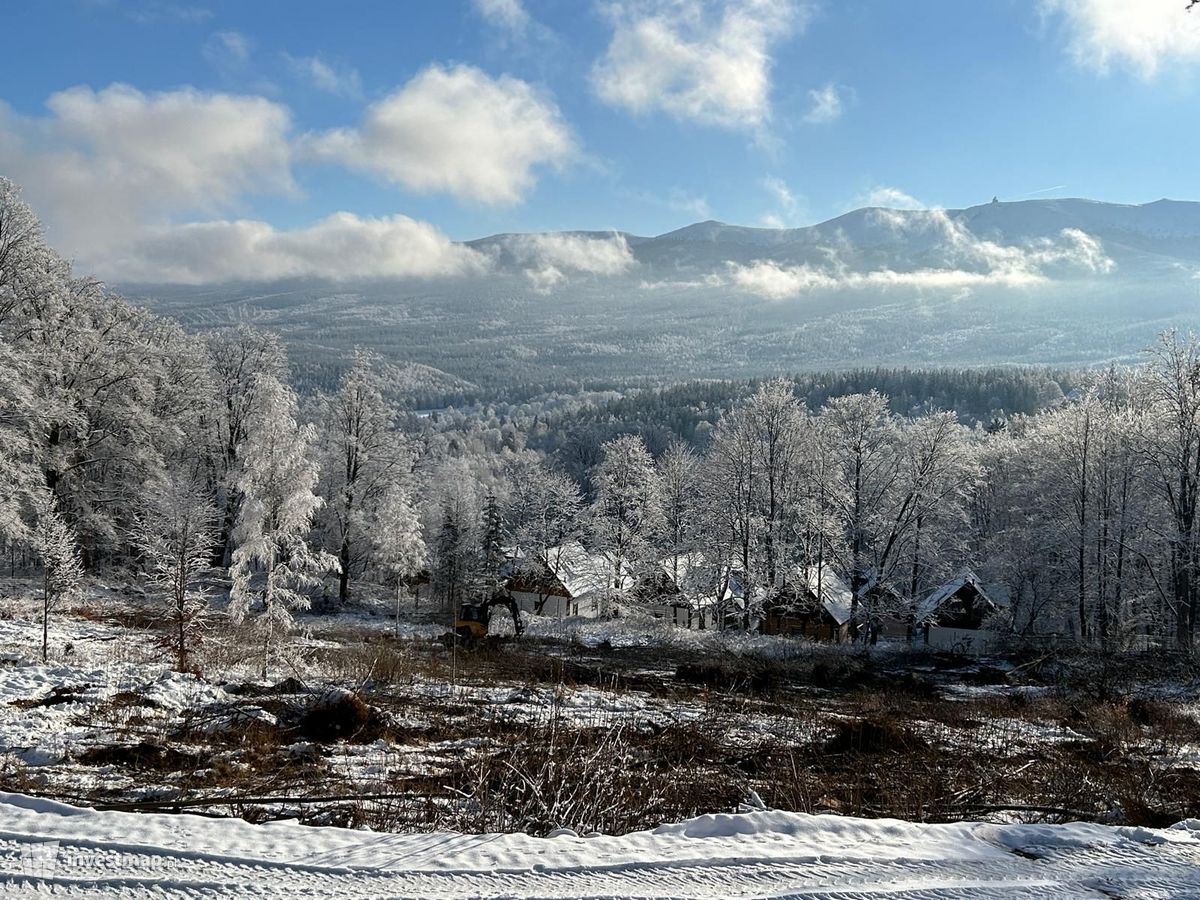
142, 755
340, 716
873, 736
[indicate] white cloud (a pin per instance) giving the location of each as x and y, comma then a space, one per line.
509, 15
890, 198
456, 130
777, 282
330, 77
826, 105
681, 200
103, 164
789, 206
228, 52
1142, 35
960, 247
967, 262
548, 259
151, 12
342, 246
703, 60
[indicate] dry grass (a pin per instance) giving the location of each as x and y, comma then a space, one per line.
829, 729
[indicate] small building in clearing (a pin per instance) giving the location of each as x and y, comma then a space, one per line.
956, 616
708, 596
814, 603
568, 580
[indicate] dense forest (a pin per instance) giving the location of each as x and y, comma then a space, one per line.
128, 443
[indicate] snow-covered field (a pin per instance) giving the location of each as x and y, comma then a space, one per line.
455, 742
50, 848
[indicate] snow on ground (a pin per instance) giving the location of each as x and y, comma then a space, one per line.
639, 630
47, 847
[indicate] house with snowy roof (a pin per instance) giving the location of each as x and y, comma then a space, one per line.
690, 591
815, 602
957, 616
567, 580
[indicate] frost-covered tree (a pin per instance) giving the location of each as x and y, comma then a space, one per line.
106, 391
398, 539
864, 438
541, 512
627, 515
20, 480
775, 419
1173, 449
678, 472
237, 362
454, 514
365, 458
62, 572
919, 538
277, 485
728, 527
175, 534
820, 500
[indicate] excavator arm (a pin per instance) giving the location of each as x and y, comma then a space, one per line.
503, 597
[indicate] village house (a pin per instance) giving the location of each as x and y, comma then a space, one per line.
568, 580
703, 596
957, 616
814, 603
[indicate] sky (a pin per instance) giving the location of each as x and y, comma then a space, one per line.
301, 137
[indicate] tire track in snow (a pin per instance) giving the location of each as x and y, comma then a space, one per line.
112, 869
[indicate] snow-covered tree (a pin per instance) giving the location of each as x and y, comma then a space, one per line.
175, 534
277, 485
728, 527
820, 500
627, 515
541, 514
453, 515
62, 572
678, 472
365, 458
775, 419
398, 540
923, 536
864, 438
20, 477
1173, 448
238, 361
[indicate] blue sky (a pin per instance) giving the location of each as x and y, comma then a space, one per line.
128, 121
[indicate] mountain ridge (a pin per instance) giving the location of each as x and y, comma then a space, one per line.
709, 229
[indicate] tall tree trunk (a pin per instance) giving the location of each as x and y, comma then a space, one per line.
344, 575
45, 617
1083, 526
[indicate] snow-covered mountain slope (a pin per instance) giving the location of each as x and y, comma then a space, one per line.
1165, 228
47, 847
1041, 281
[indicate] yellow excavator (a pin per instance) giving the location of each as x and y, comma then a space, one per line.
474, 618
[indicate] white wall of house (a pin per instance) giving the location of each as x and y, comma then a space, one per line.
961, 640
558, 607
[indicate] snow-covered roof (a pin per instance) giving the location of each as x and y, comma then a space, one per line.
834, 593
689, 566
583, 572
935, 601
